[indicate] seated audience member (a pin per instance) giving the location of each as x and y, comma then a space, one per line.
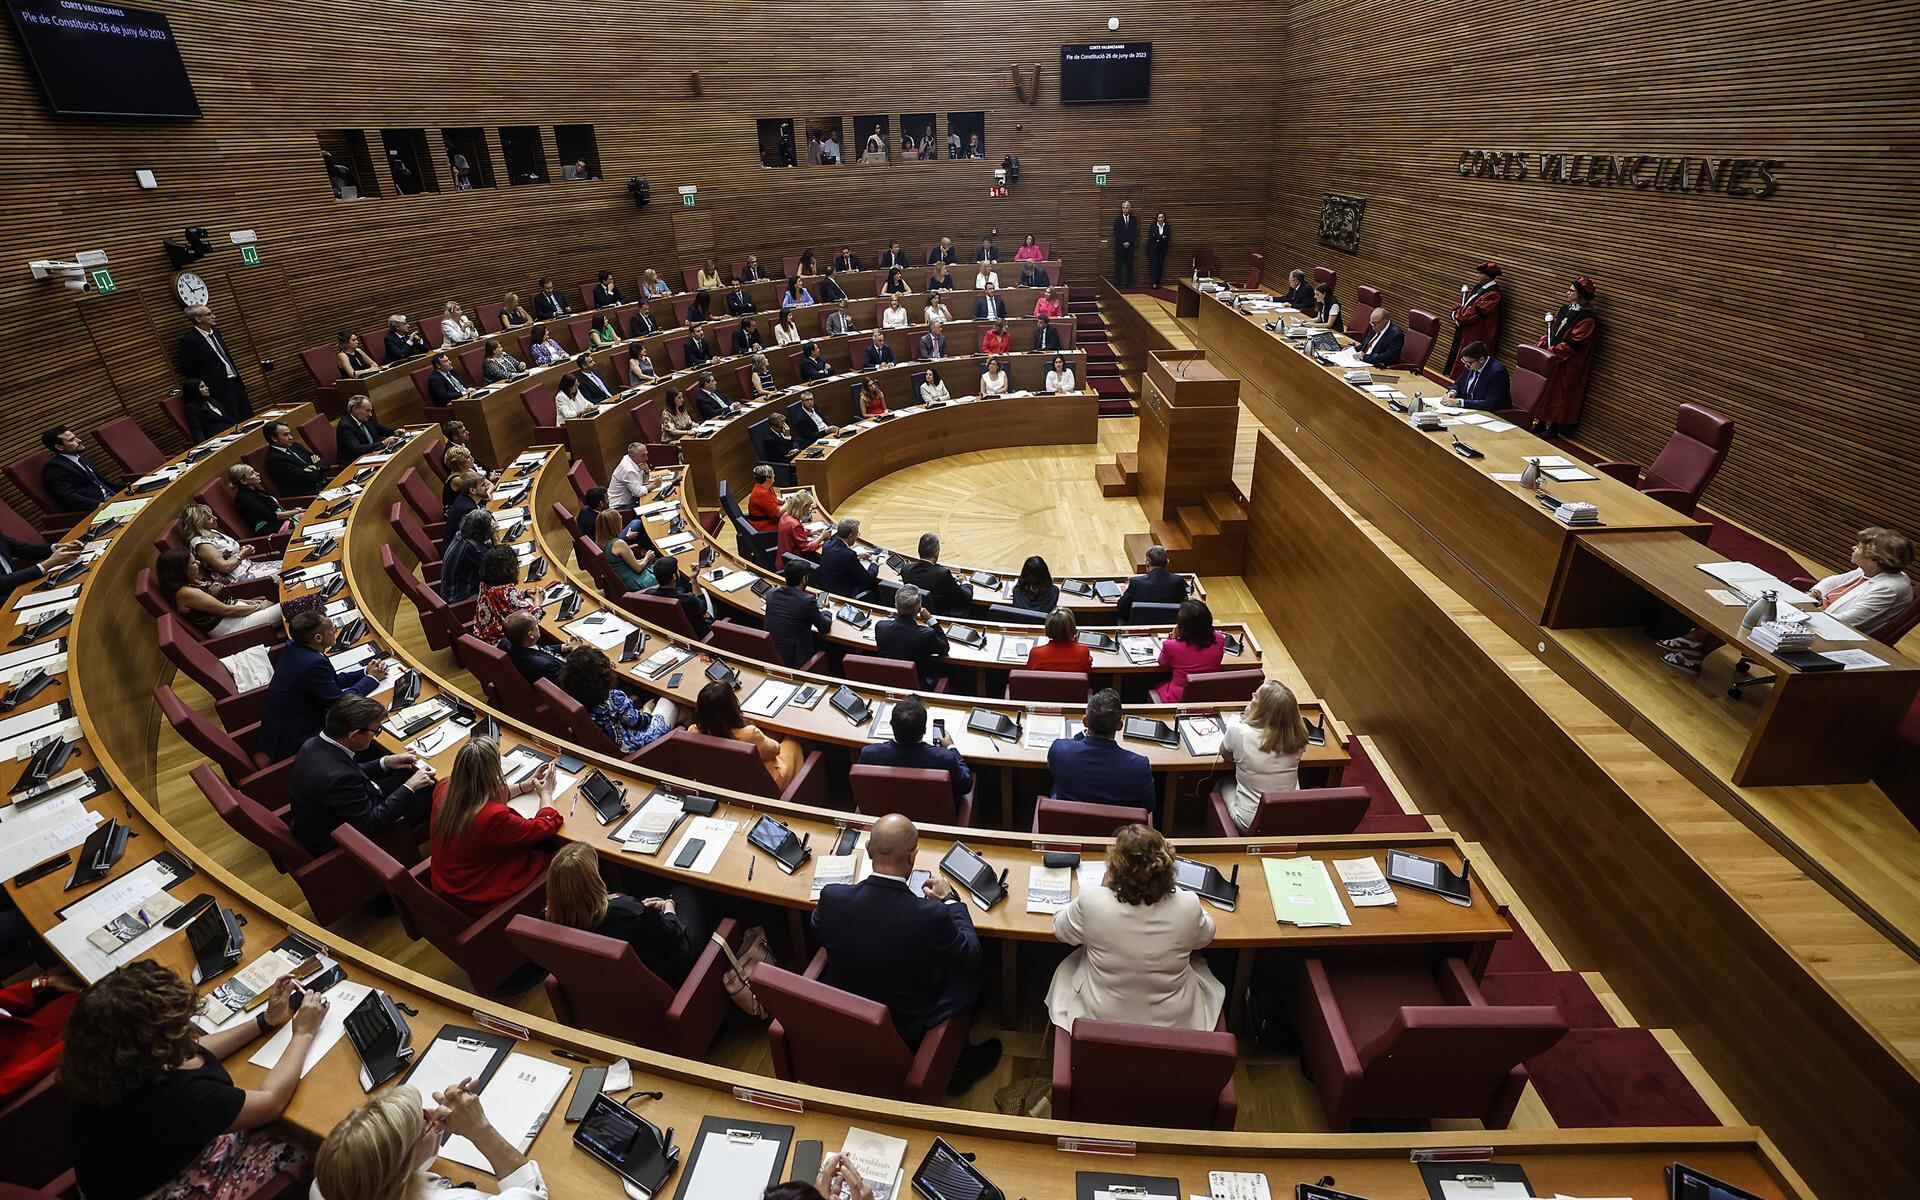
1194, 646
1138, 940
717, 714
910, 748
577, 897
642, 323
460, 566
830, 290
23, 562
896, 284
1046, 337
456, 327
1297, 293
1060, 380
72, 478
1380, 345
296, 470
305, 685
990, 305
752, 272
606, 292
352, 357
634, 572
33, 1018
986, 277
469, 491
445, 384
334, 782
943, 253
779, 443
917, 954
500, 593
1482, 383
840, 321
568, 402
740, 302
697, 352
809, 424
1034, 589
709, 401
873, 401
1868, 598
548, 303
382, 1149
933, 389
1046, 305
1158, 586
794, 614
604, 334
1061, 651
483, 851
893, 256
222, 559
1264, 750
496, 365
807, 266
593, 385
847, 260
895, 315
1029, 251
202, 603
533, 660
137, 1069
988, 251
763, 501
588, 677
760, 378
994, 380
1094, 768
546, 348
795, 511
785, 331
460, 438
360, 433
945, 595
796, 294
403, 340
1327, 307
936, 310
701, 308
632, 479
911, 636
204, 415
676, 419
640, 369
670, 582
941, 279
933, 343
651, 285
813, 364
455, 462
260, 511
1035, 275
996, 339
586, 521
512, 313
841, 571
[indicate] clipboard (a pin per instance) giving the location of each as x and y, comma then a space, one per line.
692, 1187
497, 1044
1087, 1183
1480, 1178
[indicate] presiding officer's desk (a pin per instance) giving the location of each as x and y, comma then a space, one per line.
111, 684
1496, 528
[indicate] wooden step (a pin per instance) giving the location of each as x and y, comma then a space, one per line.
1112, 480
1114, 406
1225, 508
1196, 522
1129, 463
1109, 385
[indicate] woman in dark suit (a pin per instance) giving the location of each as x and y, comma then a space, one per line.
1328, 306
1035, 590
204, 415
1159, 238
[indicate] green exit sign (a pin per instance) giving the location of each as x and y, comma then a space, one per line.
250, 255
687, 200
103, 281
1099, 181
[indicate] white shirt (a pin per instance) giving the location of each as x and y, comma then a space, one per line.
1256, 771
936, 312
986, 279
933, 391
895, 317
785, 335
993, 385
628, 484
568, 407
1061, 382
523, 1183
1872, 605
215, 343
457, 333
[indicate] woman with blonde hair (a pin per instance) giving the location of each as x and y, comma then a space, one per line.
381, 1150
512, 315
483, 851
224, 560
261, 511
456, 327
1139, 939
578, 898
795, 511
1264, 750
760, 377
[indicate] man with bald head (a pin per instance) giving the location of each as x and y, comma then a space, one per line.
914, 951
204, 355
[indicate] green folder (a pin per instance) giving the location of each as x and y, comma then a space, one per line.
1302, 892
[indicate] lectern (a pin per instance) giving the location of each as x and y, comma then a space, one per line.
1189, 416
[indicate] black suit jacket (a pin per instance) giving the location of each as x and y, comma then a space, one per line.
304, 684
830, 291
698, 352
916, 955
534, 662
891, 258
292, 470
842, 573
593, 387
793, 617
922, 645
642, 324
17, 561
76, 487
847, 262
690, 604
710, 404
745, 341
1158, 241
547, 305
808, 428
1300, 297
1032, 274
945, 596
751, 274
988, 308
1387, 351
1046, 337
984, 253
604, 296
878, 356
1158, 586
814, 368
200, 361
1126, 234
354, 439
331, 788
1485, 389
740, 302
443, 390
401, 348
936, 255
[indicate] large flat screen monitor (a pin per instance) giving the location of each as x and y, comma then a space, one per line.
104, 60
1106, 72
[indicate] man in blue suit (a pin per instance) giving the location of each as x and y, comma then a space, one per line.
909, 748
1093, 768
1158, 586
1482, 383
840, 571
305, 685
1380, 345
915, 953
340, 778
879, 354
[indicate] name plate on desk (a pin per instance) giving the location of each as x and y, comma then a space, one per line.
769, 1099
1110, 1146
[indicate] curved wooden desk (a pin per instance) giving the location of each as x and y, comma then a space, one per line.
111, 684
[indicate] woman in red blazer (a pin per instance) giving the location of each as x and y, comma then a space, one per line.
483, 851
33, 1021
763, 502
1062, 650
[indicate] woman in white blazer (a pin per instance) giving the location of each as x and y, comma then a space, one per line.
1138, 939
456, 328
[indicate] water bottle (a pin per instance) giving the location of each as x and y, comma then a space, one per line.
1765, 608
1530, 478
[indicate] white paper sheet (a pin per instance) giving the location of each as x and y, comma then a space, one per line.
447, 1062
716, 832
517, 1101
769, 698
1548, 460
38, 834
21, 746
40, 599
342, 999
32, 655
1855, 660
602, 630
1569, 475
1498, 426
1048, 888
729, 1170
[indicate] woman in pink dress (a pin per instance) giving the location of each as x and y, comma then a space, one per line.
1194, 646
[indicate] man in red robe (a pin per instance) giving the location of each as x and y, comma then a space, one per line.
1569, 340
1477, 317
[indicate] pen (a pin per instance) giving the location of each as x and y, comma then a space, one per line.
570, 1056
749, 869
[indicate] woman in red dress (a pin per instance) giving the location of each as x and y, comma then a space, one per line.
1569, 340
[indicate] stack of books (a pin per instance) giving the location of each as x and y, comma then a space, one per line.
1578, 512
1776, 636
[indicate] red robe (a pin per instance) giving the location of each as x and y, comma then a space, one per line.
30, 1035
1570, 342
1475, 320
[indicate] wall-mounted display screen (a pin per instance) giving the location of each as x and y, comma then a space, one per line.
104, 60
1105, 73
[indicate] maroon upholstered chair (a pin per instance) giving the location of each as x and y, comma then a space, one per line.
438, 619
884, 672
506, 688
598, 983
488, 314
1686, 464
1370, 297
1357, 321
148, 593
646, 419
335, 884
538, 400
128, 444
1326, 275
231, 751
478, 945
173, 406
1049, 687
1258, 270
1291, 814
1526, 383
234, 707
414, 537
1415, 1040
757, 644
725, 763
1077, 818
662, 611
374, 342
16, 526
1417, 346
570, 718
421, 497
36, 1128
580, 475
834, 1039
1117, 1073
1218, 687
589, 555
924, 796
25, 474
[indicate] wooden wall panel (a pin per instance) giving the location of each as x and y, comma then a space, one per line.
1779, 312
270, 78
